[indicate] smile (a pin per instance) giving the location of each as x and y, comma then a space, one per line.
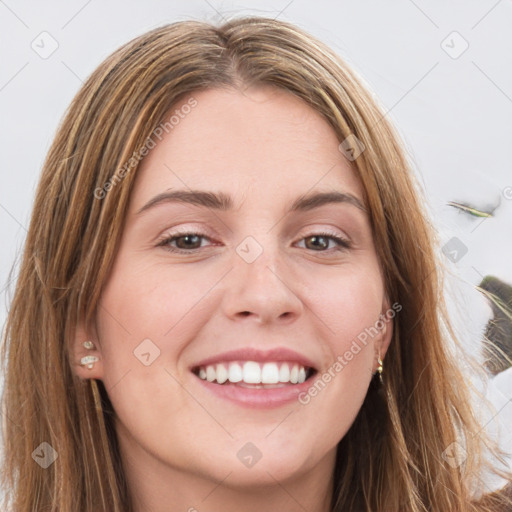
255, 378
255, 374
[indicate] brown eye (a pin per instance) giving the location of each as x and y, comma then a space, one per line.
188, 241
184, 243
319, 242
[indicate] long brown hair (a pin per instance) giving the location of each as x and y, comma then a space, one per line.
392, 457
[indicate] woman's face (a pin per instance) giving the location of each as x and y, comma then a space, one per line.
230, 256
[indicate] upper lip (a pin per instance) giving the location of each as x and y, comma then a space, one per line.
260, 356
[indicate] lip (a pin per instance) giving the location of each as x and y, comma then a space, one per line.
279, 354
257, 398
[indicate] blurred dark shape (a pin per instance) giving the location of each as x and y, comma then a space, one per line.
498, 353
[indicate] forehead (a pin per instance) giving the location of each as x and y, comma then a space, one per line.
264, 143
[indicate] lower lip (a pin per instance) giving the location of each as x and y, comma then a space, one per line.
257, 398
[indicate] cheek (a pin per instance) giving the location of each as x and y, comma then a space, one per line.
153, 302
143, 326
348, 302
147, 316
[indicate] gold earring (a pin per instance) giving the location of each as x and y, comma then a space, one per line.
380, 368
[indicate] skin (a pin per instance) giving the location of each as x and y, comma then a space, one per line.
265, 148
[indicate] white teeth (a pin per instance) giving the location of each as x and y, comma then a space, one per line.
222, 374
210, 373
235, 373
270, 373
284, 373
294, 374
251, 372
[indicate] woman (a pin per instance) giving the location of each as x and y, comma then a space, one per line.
233, 296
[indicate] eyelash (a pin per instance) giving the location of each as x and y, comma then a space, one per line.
342, 243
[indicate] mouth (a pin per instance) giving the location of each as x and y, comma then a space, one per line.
254, 379
255, 375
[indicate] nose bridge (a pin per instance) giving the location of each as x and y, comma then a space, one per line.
258, 283
258, 264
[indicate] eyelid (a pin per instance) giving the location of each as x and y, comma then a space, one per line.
186, 230
325, 230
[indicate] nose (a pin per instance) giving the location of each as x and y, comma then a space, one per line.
260, 291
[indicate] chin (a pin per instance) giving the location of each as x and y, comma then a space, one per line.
261, 464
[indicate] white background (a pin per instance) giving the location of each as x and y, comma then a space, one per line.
452, 107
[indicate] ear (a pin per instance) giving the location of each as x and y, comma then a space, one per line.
78, 351
385, 326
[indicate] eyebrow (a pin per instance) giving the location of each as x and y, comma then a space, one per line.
223, 202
